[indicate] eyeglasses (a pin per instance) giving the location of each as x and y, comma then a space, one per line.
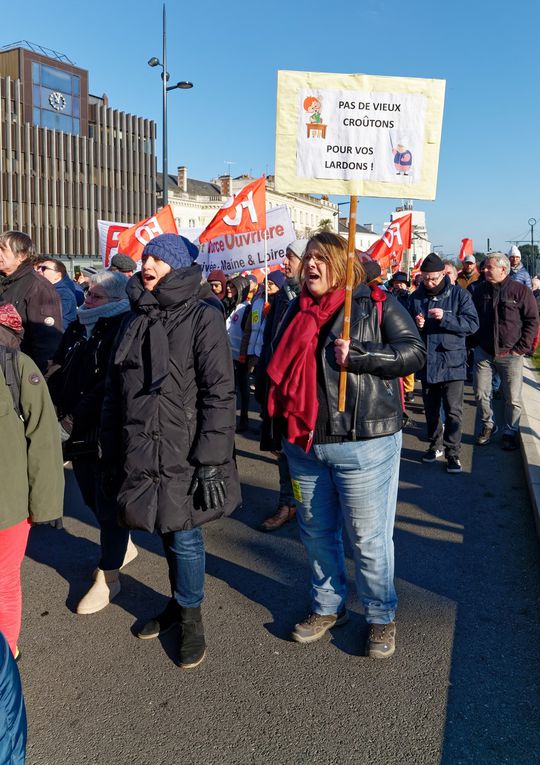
47, 268
96, 295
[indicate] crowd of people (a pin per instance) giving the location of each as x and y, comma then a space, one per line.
134, 377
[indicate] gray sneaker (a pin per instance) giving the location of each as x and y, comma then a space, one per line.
381, 642
315, 626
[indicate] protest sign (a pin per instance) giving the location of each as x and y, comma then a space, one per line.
358, 134
246, 252
109, 233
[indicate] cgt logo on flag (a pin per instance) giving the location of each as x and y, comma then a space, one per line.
388, 250
133, 240
246, 212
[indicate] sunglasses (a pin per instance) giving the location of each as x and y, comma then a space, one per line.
47, 268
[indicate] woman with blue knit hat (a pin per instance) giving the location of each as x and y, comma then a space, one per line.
167, 432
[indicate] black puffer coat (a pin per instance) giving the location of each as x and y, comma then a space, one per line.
77, 377
170, 405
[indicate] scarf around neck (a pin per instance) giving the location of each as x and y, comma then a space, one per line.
293, 368
89, 317
175, 293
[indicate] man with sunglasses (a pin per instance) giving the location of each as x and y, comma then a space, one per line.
55, 273
445, 315
35, 299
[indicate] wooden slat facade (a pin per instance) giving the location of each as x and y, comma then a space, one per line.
56, 186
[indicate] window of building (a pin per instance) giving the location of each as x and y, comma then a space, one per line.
55, 98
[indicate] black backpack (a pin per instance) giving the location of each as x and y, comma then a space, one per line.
9, 364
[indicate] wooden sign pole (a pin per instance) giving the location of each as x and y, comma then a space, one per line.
351, 255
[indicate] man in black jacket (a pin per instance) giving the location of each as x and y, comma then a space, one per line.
35, 299
508, 327
292, 264
445, 315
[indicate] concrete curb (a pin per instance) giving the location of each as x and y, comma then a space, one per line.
530, 435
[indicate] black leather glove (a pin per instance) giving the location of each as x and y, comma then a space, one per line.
209, 483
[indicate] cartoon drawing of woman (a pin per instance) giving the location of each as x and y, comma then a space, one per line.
402, 158
312, 106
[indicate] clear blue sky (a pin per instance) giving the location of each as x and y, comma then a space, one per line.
487, 53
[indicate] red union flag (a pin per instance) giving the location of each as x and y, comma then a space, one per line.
133, 240
388, 250
246, 212
466, 248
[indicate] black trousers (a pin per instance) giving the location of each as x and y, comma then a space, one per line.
241, 378
113, 538
449, 395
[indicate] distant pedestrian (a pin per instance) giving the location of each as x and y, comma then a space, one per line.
217, 281
55, 273
508, 316
451, 271
469, 273
445, 315
290, 289
36, 300
123, 263
518, 272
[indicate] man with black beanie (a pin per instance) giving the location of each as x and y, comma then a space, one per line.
445, 315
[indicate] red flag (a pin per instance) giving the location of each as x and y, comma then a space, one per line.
133, 240
245, 212
388, 250
466, 248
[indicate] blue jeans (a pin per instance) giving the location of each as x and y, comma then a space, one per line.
185, 555
352, 484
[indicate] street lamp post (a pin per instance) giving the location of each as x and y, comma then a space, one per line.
532, 224
182, 85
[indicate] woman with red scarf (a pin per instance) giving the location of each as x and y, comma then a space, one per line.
344, 465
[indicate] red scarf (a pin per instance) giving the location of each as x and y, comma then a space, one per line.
293, 368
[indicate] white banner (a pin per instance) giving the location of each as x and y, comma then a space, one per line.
245, 252
108, 239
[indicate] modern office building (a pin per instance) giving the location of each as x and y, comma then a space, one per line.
67, 159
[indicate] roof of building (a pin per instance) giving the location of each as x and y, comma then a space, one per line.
359, 229
194, 187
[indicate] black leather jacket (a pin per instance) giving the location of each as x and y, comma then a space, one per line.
380, 353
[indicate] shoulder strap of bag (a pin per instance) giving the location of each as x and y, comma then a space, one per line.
9, 362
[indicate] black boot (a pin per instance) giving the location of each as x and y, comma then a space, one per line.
192, 645
161, 623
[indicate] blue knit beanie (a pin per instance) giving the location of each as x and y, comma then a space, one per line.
277, 277
175, 250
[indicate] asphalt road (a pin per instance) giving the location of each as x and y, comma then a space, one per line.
462, 687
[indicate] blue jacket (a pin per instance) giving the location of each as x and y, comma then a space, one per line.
12, 711
445, 339
68, 300
521, 275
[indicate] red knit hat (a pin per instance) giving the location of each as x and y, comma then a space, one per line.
10, 318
